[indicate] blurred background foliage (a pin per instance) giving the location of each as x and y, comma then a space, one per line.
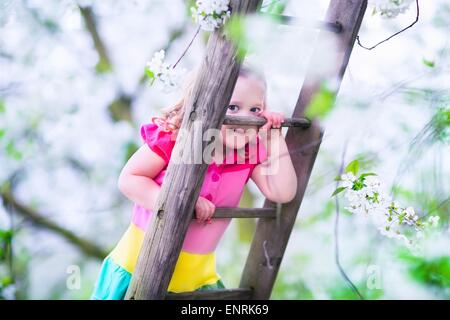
73, 95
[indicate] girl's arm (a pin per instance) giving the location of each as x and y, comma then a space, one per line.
136, 178
137, 184
275, 177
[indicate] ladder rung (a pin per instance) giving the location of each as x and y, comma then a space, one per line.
335, 27
259, 121
221, 294
245, 213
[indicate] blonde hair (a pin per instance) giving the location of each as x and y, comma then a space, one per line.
171, 117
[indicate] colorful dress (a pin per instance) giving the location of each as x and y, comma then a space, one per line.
196, 266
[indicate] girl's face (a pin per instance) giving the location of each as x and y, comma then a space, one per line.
247, 100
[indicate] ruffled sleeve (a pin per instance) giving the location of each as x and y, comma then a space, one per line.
158, 140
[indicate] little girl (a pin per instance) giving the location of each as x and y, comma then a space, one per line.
224, 182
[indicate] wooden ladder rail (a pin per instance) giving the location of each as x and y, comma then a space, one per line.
271, 238
155, 266
303, 138
174, 207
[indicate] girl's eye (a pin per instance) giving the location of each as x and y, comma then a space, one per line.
255, 109
233, 108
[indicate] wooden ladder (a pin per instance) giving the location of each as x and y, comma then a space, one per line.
303, 138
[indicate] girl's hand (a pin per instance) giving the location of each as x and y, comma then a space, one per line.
204, 210
274, 120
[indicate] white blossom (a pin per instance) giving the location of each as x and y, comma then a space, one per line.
395, 205
348, 179
409, 212
163, 73
210, 14
156, 65
366, 196
372, 182
433, 221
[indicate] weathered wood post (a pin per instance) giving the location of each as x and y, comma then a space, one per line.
211, 94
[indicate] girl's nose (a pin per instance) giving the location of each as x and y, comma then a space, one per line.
247, 113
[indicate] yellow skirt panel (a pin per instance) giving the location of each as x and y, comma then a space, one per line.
191, 271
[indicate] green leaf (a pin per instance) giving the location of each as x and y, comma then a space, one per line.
325, 213
367, 174
130, 149
2, 106
103, 66
362, 177
340, 291
149, 73
12, 151
6, 235
434, 272
441, 124
5, 187
189, 5
6, 281
321, 103
358, 185
51, 25
353, 167
276, 7
338, 190
428, 63
374, 11
2, 133
366, 161
234, 29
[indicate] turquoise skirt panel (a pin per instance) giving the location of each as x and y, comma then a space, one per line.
113, 282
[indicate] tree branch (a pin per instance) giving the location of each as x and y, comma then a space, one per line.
104, 64
395, 34
120, 108
336, 235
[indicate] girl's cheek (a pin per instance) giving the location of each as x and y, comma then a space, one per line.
223, 130
253, 135
252, 131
